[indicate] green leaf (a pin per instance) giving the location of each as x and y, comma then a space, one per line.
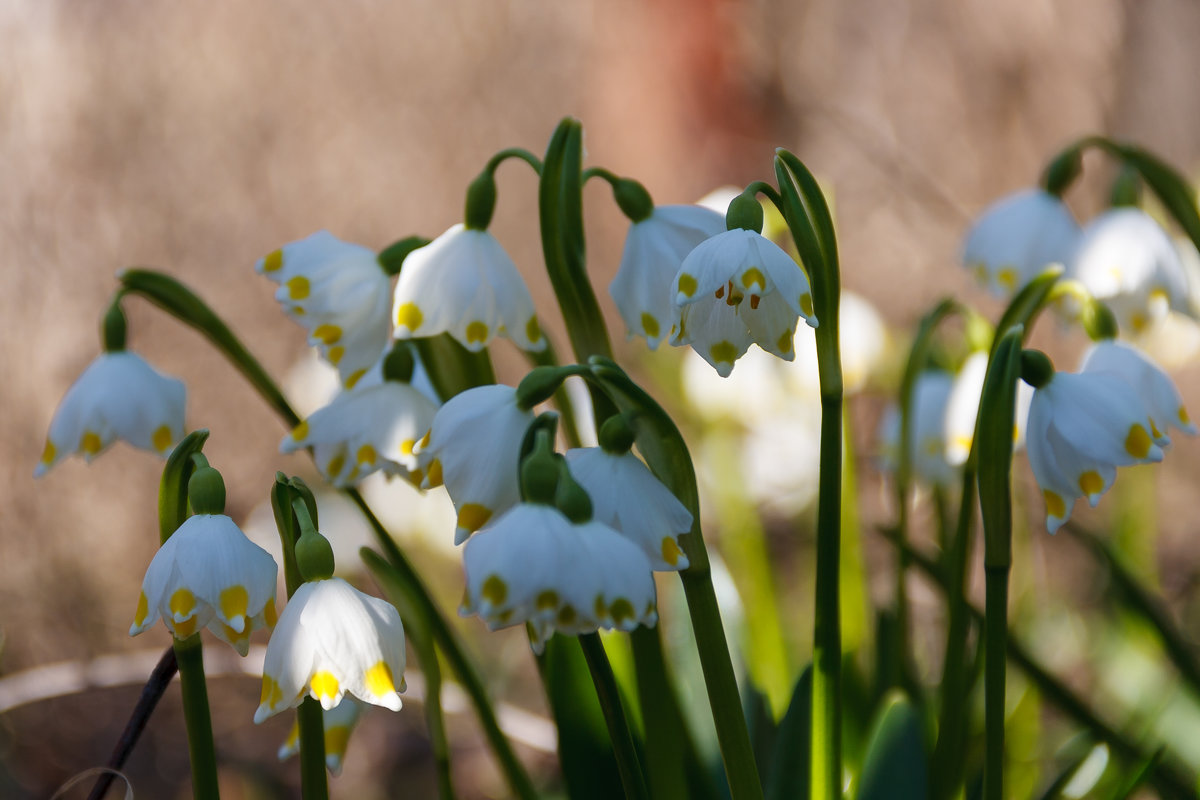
896, 766
173, 488
788, 777
451, 367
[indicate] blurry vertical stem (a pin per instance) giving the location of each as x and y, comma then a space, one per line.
853, 587
811, 226
995, 442
614, 716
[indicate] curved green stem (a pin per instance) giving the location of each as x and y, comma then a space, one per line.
614, 716
189, 654
518, 153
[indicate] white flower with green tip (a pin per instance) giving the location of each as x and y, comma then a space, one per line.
464, 284
209, 574
339, 293
119, 396
1018, 237
332, 639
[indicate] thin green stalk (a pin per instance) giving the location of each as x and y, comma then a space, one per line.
190, 656
614, 716
314, 785
995, 631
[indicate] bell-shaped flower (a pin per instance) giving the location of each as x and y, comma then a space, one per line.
654, 250
209, 574
629, 499
1017, 237
1082, 426
1153, 386
1127, 260
119, 396
339, 293
332, 639
735, 289
473, 448
374, 426
340, 722
533, 565
464, 284
927, 427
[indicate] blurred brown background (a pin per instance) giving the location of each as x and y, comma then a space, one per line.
197, 137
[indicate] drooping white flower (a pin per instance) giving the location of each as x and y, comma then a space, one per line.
209, 574
340, 722
1127, 260
473, 448
119, 396
1153, 386
339, 293
654, 250
1082, 426
734, 289
332, 639
1017, 237
534, 565
464, 284
927, 437
374, 426
629, 499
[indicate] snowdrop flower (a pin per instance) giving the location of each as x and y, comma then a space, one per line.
472, 448
339, 293
628, 498
735, 289
208, 574
1152, 386
374, 426
534, 565
340, 722
927, 438
1017, 237
655, 248
119, 396
332, 639
464, 284
1082, 426
1126, 260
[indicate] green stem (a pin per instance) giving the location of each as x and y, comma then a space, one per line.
614, 716
995, 631
314, 785
190, 656
519, 153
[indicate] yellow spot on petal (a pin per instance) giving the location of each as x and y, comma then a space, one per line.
1183, 418
324, 685
90, 443
298, 287
273, 262
50, 451
379, 680
753, 277
1154, 431
687, 285
329, 334
1091, 483
337, 738
621, 609
600, 608
1138, 321
335, 465
293, 738
407, 446
300, 431
270, 615
473, 516
723, 353
335, 354
272, 692
234, 601
806, 305
964, 442
409, 316
354, 377
533, 331
1007, 277
477, 332
434, 473
650, 325
1137, 443
162, 438
185, 628
670, 550
547, 600
567, 615
142, 611
182, 602
495, 590
366, 455
784, 344
1055, 506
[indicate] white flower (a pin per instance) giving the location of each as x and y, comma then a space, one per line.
780, 457
734, 289
654, 250
629, 499
1127, 260
340, 722
473, 449
209, 574
119, 396
464, 284
1153, 386
332, 639
756, 390
339, 293
1081, 428
1017, 237
534, 565
373, 426
927, 437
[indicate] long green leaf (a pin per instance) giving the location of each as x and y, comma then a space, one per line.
788, 778
896, 766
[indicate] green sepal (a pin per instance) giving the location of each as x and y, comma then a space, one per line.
391, 258
481, 202
995, 446
451, 367
173, 488
206, 491
616, 435
896, 766
744, 212
1036, 369
113, 327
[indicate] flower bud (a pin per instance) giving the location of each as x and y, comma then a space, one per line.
206, 491
744, 212
481, 202
112, 328
1036, 368
314, 556
634, 200
540, 385
616, 435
